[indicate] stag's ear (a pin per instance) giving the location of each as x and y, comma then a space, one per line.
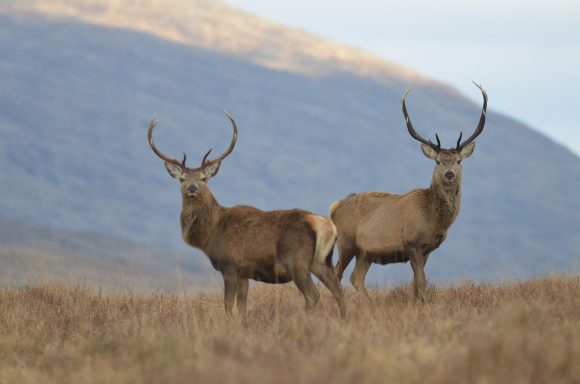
212, 169
467, 150
174, 171
429, 151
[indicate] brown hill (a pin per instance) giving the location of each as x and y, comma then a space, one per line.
212, 25
77, 96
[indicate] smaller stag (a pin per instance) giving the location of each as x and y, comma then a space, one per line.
386, 228
243, 242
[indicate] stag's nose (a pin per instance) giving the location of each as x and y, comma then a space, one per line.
450, 175
192, 190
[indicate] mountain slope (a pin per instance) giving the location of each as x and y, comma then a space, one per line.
76, 100
31, 255
212, 25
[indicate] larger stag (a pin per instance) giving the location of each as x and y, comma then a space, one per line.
243, 242
385, 228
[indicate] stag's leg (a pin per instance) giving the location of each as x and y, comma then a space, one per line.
231, 281
359, 273
345, 255
295, 253
425, 257
418, 261
325, 273
304, 282
242, 295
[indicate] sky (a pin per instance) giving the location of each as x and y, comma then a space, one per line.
526, 54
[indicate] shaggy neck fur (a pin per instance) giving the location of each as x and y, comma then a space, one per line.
444, 202
199, 218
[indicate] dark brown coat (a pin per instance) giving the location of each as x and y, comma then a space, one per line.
243, 242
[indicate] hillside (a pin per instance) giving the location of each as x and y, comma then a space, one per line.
212, 25
477, 333
32, 255
77, 95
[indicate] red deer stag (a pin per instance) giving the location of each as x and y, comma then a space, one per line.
386, 228
243, 242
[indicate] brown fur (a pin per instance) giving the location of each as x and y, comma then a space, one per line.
243, 242
386, 228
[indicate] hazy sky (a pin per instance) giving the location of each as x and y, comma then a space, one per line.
525, 53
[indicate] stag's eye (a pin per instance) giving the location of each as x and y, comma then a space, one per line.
458, 161
181, 179
438, 163
203, 178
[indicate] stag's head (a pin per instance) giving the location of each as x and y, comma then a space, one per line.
193, 180
448, 168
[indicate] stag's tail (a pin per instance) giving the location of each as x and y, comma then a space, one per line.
333, 207
326, 234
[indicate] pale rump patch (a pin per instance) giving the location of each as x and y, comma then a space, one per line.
325, 236
333, 207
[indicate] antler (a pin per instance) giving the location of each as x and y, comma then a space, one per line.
168, 159
412, 130
479, 128
205, 162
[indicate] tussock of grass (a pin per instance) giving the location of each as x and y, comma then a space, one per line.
520, 332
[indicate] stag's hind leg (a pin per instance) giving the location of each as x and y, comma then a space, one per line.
304, 282
295, 253
326, 275
357, 278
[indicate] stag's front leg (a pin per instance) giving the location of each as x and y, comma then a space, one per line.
242, 295
231, 282
418, 264
357, 278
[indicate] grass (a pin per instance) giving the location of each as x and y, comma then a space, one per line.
525, 332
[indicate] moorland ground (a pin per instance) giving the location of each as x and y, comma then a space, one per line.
520, 332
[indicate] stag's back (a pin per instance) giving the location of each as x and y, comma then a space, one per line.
348, 213
252, 236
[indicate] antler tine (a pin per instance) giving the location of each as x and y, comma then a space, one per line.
412, 130
168, 159
438, 141
481, 124
204, 160
459, 140
230, 148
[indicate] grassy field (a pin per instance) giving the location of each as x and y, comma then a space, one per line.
526, 332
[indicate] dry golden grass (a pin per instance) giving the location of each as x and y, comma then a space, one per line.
517, 333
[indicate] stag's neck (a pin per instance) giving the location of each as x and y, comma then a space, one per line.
444, 203
199, 221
